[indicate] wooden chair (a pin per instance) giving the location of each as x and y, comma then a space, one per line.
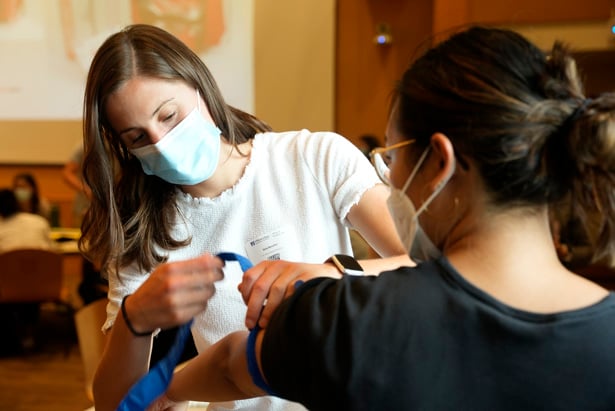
88, 322
30, 275
33, 276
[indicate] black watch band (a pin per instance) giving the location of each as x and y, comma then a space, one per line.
346, 264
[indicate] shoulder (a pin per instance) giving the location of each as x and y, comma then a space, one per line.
32, 219
366, 297
334, 322
303, 139
360, 293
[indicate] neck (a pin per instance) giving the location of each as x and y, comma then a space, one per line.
512, 257
231, 166
506, 243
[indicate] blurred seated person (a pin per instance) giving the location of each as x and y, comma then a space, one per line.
71, 174
28, 197
19, 230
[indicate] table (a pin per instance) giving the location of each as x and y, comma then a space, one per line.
66, 243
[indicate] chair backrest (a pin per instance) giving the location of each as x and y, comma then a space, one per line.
30, 275
88, 322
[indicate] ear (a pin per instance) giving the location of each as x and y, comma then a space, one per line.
442, 149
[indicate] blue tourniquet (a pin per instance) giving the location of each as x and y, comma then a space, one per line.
155, 383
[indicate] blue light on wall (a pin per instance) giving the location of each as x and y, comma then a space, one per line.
383, 34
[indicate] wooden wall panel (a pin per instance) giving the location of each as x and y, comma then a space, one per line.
365, 72
451, 14
596, 69
538, 11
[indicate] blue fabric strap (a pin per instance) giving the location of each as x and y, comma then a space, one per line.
253, 369
244, 263
155, 383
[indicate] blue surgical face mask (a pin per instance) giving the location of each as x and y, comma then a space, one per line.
406, 217
186, 155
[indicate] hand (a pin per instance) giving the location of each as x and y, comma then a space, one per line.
174, 293
268, 283
163, 403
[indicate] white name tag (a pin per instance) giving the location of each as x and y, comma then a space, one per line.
271, 246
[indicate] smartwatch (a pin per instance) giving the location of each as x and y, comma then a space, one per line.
346, 264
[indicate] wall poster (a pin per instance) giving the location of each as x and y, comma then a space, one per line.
47, 45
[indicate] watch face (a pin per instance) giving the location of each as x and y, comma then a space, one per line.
348, 262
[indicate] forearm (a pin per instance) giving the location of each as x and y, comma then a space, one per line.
218, 374
378, 265
125, 360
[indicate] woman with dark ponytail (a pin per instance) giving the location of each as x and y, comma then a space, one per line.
486, 134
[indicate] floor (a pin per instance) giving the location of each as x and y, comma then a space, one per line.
50, 377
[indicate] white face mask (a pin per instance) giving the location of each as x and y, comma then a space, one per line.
187, 155
22, 194
405, 216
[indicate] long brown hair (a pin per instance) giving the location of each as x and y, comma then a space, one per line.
131, 213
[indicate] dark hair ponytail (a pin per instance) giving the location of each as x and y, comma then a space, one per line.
592, 142
521, 116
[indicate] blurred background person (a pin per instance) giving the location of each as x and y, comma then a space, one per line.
71, 174
28, 196
19, 229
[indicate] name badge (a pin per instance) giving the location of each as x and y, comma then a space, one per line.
271, 246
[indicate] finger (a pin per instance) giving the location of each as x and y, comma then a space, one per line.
200, 272
290, 290
176, 292
258, 299
259, 293
277, 293
203, 263
250, 277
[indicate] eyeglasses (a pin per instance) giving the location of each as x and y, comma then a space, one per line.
381, 161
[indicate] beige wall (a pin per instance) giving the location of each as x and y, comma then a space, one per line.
294, 52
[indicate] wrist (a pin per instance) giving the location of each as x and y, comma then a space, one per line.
134, 331
345, 264
331, 270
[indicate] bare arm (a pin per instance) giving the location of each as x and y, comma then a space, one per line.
125, 360
174, 293
218, 374
371, 218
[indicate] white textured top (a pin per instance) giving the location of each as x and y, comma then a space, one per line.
24, 230
291, 203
